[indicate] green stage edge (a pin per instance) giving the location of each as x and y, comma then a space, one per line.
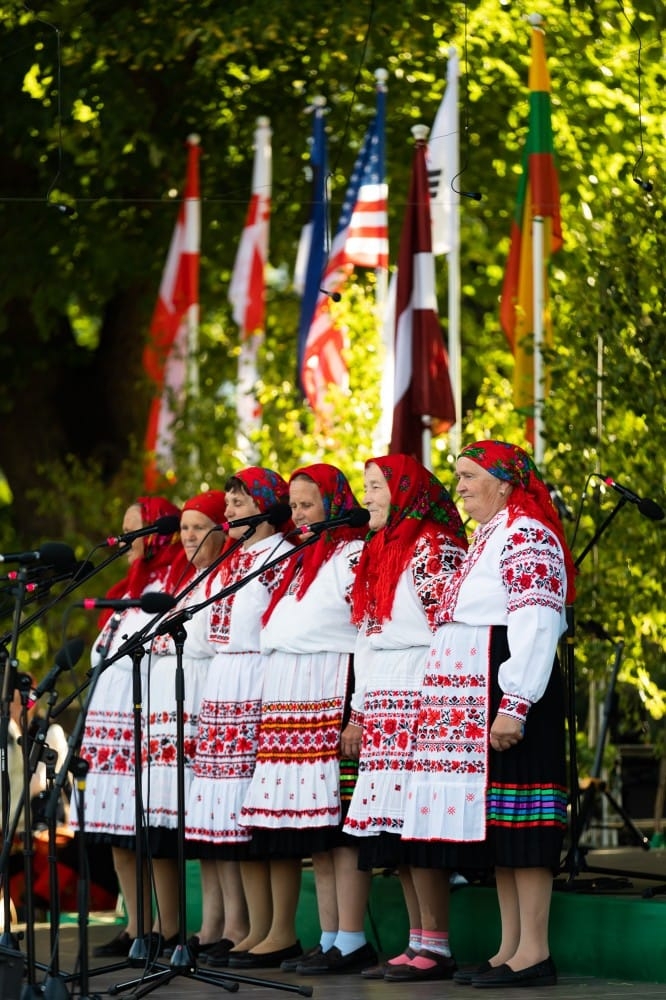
591, 934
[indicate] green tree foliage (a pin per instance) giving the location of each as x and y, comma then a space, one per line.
98, 100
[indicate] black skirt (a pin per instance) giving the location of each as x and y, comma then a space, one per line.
527, 790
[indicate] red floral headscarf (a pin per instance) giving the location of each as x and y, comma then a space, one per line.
266, 487
159, 552
337, 498
420, 505
530, 495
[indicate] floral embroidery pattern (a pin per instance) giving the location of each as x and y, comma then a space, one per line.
228, 739
452, 717
532, 570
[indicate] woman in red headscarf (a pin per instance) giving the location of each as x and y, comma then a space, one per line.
203, 543
108, 738
488, 784
231, 705
416, 540
294, 802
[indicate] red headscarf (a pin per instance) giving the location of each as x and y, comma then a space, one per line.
212, 503
159, 551
266, 487
530, 495
337, 498
419, 505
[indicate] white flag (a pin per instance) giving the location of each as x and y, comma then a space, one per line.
443, 164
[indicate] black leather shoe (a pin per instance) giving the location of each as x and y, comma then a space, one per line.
464, 976
217, 954
333, 961
443, 968
290, 964
375, 971
379, 971
269, 960
541, 974
117, 947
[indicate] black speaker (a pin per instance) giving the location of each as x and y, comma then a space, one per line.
11, 973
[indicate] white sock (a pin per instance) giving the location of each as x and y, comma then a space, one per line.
327, 940
348, 941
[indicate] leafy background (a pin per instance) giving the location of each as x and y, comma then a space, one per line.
98, 100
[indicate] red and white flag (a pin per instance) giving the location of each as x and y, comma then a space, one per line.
173, 328
423, 401
247, 291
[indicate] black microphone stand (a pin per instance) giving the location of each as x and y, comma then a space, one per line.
79, 769
7, 939
146, 634
182, 961
187, 613
34, 750
35, 617
53, 988
134, 646
575, 861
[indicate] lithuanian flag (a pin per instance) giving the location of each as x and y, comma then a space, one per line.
526, 326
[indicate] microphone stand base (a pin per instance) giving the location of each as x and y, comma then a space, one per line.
54, 988
11, 973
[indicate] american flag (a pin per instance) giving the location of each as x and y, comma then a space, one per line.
361, 239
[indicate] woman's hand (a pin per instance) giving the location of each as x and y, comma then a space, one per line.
505, 732
350, 741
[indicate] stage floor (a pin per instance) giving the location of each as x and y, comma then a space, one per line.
347, 987
607, 939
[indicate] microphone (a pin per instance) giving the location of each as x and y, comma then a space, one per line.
355, 518
646, 507
275, 515
153, 603
335, 296
55, 554
166, 525
564, 512
67, 657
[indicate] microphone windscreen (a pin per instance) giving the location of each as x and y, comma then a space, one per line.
154, 603
58, 555
358, 517
70, 654
651, 509
167, 525
279, 514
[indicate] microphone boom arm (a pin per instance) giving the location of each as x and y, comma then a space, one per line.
187, 613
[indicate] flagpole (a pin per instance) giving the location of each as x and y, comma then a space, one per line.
383, 431
454, 344
420, 133
538, 286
